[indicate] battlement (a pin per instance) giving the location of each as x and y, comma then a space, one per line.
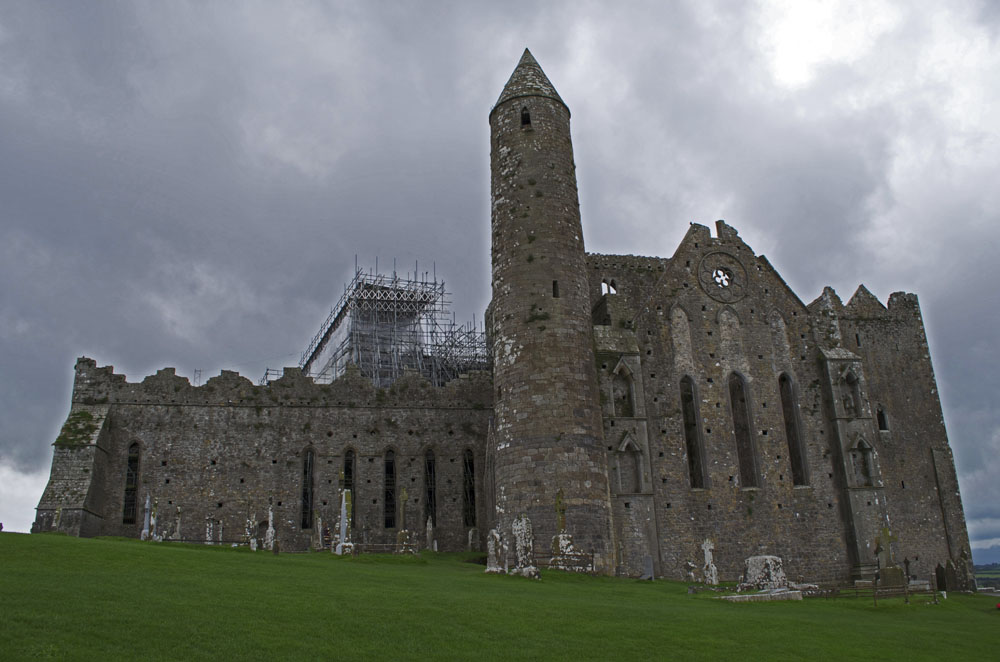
101, 385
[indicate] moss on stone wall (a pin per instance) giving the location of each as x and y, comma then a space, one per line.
77, 431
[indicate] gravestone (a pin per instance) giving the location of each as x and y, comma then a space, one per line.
493, 549
524, 543
145, 521
710, 571
763, 573
269, 542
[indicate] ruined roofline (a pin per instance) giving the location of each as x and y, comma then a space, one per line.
95, 385
863, 304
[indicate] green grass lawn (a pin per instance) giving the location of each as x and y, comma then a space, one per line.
68, 598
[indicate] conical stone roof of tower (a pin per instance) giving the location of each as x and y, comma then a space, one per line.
528, 80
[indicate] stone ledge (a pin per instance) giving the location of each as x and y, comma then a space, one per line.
763, 597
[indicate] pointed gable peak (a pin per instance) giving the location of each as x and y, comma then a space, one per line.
528, 80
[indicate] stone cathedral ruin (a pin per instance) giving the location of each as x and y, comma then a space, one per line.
632, 415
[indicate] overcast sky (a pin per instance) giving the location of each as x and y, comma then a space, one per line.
188, 185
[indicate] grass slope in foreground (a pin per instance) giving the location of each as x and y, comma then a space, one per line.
68, 598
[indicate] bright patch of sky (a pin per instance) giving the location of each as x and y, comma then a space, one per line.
800, 37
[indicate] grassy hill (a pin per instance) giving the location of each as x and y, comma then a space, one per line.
68, 598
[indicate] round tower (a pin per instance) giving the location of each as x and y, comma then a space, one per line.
547, 436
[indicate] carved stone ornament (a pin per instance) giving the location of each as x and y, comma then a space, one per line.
722, 277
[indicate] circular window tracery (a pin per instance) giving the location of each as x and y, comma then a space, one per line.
722, 277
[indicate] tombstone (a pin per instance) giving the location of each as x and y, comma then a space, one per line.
565, 555
889, 574
709, 570
763, 573
473, 543
269, 541
250, 528
405, 543
524, 542
344, 545
145, 521
430, 534
647, 567
152, 522
317, 530
177, 524
493, 549
209, 527
253, 544
689, 568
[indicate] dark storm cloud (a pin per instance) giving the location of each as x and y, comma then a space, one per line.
188, 185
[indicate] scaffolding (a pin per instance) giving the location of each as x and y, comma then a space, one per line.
387, 324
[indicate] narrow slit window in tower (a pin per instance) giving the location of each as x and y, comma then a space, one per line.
131, 484
555, 289
525, 117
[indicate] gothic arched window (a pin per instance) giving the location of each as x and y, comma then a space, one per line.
307, 490
743, 431
389, 477
469, 491
349, 482
131, 484
692, 434
430, 488
796, 453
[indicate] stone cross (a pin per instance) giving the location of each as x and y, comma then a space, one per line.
560, 513
884, 553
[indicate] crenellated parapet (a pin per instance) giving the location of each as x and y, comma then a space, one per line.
95, 385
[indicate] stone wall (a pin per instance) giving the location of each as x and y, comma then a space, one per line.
684, 323
222, 451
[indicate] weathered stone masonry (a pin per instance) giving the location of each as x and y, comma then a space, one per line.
220, 452
680, 413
